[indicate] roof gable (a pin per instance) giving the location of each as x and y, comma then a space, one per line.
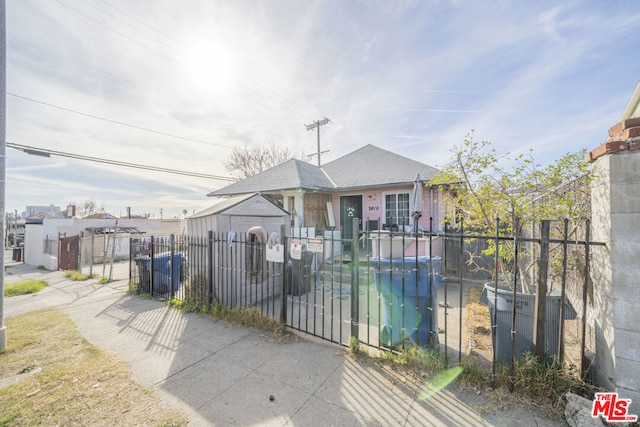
371, 166
248, 204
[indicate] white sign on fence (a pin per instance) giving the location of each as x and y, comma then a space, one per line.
296, 249
314, 244
275, 253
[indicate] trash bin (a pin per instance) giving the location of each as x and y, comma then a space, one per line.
161, 271
17, 254
525, 311
299, 274
144, 278
396, 281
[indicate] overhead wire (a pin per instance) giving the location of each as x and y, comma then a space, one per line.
117, 32
48, 153
182, 66
172, 60
117, 122
125, 23
124, 12
107, 73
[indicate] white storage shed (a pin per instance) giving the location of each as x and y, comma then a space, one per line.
238, 214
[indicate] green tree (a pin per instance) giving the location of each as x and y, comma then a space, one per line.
482, 186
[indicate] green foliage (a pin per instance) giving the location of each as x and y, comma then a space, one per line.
482, 187
354, 346
26, 287
30, 367
420, 357
485, 186
76, 275
249, 317
103, 281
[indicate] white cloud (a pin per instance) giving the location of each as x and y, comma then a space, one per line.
412, 76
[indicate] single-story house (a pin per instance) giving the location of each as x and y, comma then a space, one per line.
371, 184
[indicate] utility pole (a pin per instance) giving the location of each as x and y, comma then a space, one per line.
3, 156
316, 125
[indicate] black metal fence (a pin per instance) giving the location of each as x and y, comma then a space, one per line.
387, 289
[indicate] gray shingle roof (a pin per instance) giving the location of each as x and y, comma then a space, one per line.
368, 166
290, 175
371, 166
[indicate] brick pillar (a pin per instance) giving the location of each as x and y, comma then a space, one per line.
615, 201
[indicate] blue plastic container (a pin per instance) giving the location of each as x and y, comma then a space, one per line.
407, 309
162, 270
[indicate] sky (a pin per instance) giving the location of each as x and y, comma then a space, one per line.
178, 85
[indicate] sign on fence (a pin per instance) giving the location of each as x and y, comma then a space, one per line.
314, 244
296, 249
275, 253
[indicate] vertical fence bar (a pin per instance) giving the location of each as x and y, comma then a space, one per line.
417, 284
446, 300
130, 260
379, 285
513, 301
172, 266
494, 326
541, 292
152, 264
210, 267
355, 281
583, 371
563, 292
460, 273
433, 331
402, 308
285, 279
306, 269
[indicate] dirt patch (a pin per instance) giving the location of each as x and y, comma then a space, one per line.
80, 384
478, 327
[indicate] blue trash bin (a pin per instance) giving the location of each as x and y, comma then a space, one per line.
407, 309
161, 271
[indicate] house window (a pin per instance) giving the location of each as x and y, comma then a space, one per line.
397, 209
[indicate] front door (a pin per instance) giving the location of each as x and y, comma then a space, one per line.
350, 207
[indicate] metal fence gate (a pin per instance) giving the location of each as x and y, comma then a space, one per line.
373, 288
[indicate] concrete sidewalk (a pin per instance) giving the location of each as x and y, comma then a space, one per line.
223, 375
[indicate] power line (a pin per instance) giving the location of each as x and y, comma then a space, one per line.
115, 76
176, 62
117, 122
141, 22
259, 89
133, 27
118, 32
48, 153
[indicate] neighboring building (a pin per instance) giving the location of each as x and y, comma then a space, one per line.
94, 237
51, 210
